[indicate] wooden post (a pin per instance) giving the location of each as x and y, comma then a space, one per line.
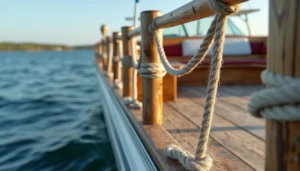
109, 49
283, 138
116, 58
152, 88
104, 30
127, 70
98, 53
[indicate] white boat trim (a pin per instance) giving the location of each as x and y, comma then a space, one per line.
129, 151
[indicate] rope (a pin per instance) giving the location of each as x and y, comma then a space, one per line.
132, 61
216, 32
280, 102
152, 70
126, 61
118, 84
146, 70
135, 62
135, 103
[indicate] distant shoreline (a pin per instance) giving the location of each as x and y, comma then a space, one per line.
37, 47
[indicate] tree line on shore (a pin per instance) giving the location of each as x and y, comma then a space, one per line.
7, 46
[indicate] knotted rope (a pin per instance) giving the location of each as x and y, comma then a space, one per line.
152, 70
201, 161
280, 102
126, 61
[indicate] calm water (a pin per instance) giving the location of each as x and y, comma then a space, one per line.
50, 115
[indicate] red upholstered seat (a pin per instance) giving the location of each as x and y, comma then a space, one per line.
258, 48
173, 50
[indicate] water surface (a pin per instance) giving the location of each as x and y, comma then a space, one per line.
50, 114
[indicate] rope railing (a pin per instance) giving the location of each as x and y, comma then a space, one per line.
156, 70
194, 10
216, 32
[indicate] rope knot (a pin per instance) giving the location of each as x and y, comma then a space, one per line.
187, 160
126, 61
222, 8
152, 70
280, 102
152, 27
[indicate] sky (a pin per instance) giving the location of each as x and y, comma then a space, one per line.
77, 22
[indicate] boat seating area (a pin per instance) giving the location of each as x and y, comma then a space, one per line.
242, 66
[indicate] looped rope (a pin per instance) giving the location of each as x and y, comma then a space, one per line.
222, 8
152, 70
135, 62
187, 159
280, 102
216, 32
126, 61
118, 84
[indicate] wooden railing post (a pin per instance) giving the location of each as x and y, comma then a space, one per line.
109, 49
116, 59
98, 53
104, 30
127, 70
283, 138
152, 88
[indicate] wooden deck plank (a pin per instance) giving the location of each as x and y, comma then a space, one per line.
156, 138
231, 108
244, 145
186, 134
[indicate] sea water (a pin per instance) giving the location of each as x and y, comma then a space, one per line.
50, 113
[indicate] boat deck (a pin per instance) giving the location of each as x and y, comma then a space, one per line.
237, 139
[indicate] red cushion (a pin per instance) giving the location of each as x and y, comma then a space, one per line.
173, 50
264, 50
257, 47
